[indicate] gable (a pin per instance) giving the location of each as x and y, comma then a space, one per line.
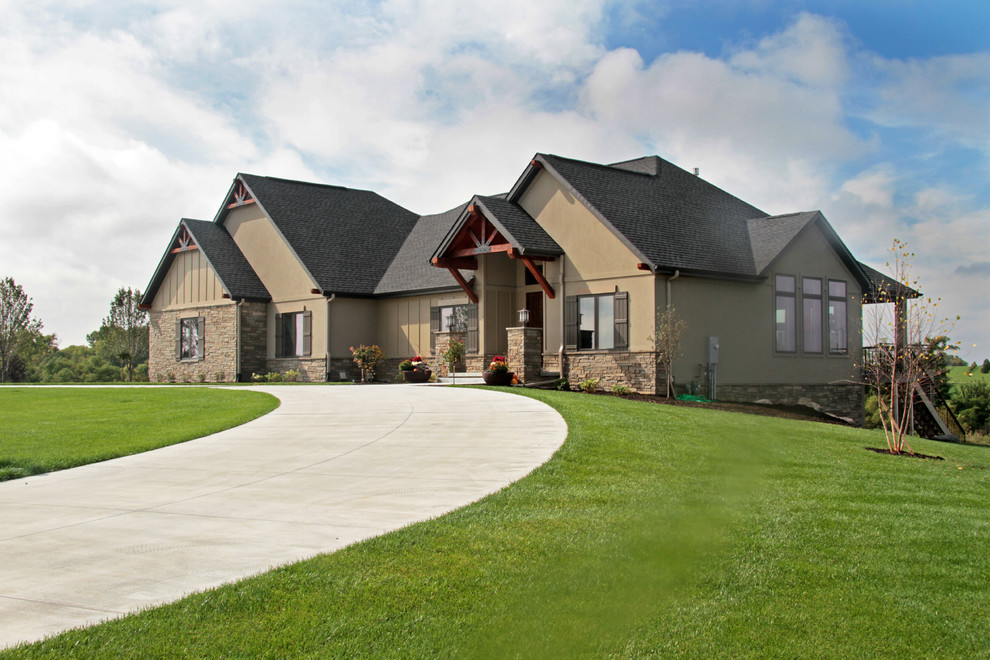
188, 280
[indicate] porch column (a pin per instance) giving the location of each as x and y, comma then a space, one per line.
525, 356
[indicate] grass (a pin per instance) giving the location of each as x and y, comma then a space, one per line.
654, 531
958, 375
46, 429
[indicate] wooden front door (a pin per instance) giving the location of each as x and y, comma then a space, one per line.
534, 303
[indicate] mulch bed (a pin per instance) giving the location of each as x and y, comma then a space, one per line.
785, 411
903, 453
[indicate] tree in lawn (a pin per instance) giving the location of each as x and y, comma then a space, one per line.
985, 367
18, 330
893, 370
666, 340
123, 337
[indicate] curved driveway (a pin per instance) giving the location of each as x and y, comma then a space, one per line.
330, 466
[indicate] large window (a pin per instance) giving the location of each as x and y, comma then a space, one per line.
597, 322
190, 340
455, 318
837, 331
811, 319
293, 334
785, 317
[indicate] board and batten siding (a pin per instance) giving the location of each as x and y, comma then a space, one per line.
189, 282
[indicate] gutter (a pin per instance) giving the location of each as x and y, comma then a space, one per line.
333, 296
237, 341
677, 273
563, 310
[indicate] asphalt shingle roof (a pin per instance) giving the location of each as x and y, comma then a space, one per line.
770, 235
346, 238
227, 260
885, 289
411, 269
523, 230
675, 219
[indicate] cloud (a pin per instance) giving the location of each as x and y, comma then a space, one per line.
978, 269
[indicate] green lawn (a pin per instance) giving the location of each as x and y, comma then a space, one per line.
45, 429
654, 530
958, 375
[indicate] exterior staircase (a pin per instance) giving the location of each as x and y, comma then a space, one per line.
933, 418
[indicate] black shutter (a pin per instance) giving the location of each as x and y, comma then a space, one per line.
278, 335
621, 318
471, 341
307, 333
178, 339
434, 326
201, 338
571, 323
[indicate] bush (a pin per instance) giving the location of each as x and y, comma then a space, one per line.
872, 407
621, 390
220, 377
291, 376
273, 377
590, 385
406, 365
985, 367
972, 403
562, 385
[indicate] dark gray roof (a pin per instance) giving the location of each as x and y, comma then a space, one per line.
770, 235
411, 269
223, 255
885, 289
525, 234
672, 219
227, 260
346, 238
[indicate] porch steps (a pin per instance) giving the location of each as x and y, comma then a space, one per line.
463, 378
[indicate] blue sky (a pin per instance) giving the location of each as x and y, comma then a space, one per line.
117, 119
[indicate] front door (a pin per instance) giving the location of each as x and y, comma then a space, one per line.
534, 303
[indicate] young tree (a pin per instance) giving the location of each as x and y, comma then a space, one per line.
666, 340
124, 333
17, 328
985, 367
894, 369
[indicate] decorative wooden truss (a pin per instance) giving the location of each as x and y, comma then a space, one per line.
479, 236
183, 242
239, 197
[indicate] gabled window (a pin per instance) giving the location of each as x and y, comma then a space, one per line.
294, 334
597, 322
785, 317
837, 331
190, 338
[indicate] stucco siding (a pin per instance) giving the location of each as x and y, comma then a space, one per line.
267, 252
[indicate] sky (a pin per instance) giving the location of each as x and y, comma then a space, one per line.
117, 119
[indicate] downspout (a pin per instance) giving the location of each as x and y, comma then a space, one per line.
677, 273
329, 300
237, 341
563, 310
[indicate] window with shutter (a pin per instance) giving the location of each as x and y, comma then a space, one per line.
434, 326
597, 322
294, 334
471, 341
571, 323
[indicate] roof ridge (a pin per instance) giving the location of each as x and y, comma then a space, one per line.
303, 183
605, 166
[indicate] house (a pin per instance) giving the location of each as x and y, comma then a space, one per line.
290, 275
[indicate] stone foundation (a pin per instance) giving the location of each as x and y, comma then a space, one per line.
311, 370
219, 363
844, 400
635, 370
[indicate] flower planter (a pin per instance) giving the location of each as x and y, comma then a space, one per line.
417, 375
497, 377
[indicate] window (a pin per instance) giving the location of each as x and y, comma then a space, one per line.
785, 314
190, 336
837, 317
811, 301
598, 322
294, 334
455, 318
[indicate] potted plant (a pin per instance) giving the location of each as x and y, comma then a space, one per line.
498, 372
415, 370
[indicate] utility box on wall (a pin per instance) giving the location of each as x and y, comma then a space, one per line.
713, 350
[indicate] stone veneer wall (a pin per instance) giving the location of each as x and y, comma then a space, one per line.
254, 338
311, 369
844, 400
635, 370
219, 346
524, 355
443, 340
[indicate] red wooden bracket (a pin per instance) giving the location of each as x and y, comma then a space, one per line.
472, 296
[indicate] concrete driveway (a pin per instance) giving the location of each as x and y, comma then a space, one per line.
330, 466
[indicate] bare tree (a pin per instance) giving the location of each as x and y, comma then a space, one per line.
666, 340
902, 333
17, 328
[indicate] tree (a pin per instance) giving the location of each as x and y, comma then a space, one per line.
894, 369
123, 336
18, 329
666, 340
985, 367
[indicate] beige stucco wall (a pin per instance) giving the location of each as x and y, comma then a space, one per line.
402, 327
189, 282
741, 315
596, 261
267, 252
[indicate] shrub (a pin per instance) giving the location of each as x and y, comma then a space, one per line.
406, 365
291, 376
972, 403
590, 385
257, 378
169, 376
872, 409
273, 377
985, 367
202, 377
562, 385
621, 390
219, 376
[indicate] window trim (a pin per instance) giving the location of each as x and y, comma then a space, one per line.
193, 322
620, 321
305, 317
